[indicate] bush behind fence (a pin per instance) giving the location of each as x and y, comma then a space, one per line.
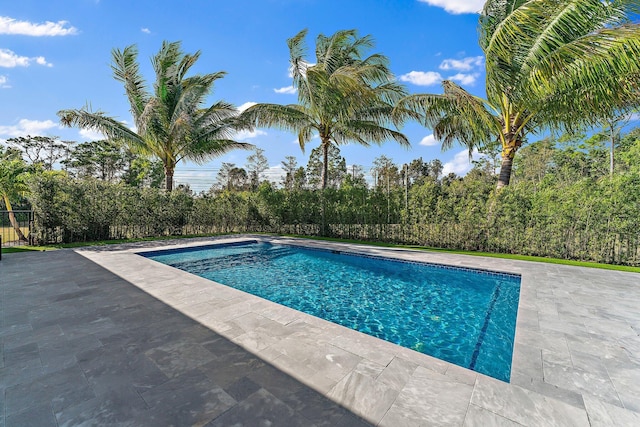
70, 211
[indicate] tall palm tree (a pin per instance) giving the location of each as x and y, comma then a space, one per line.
171, 123
550, 64
344, 97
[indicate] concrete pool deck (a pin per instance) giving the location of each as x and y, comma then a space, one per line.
102, 336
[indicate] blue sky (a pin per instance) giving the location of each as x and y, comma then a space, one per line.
55, 55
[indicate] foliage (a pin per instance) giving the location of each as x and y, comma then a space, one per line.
172, 122
549, 65
13, 175
257, 163
343, 97
562, 203
336, 168
42, 151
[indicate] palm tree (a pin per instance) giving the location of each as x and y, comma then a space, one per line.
171, 122
344, 97
13, 171
550, 64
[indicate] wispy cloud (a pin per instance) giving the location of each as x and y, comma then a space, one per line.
422, 78
246, 105
465, 64
457, 6
91, 135
25, 28
4, 82
145, 30
465, 79
246, 134
429, 141
288, 90
303, 66
28, 127
461, 163
9, 59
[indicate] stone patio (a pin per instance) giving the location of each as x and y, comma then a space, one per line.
102, 336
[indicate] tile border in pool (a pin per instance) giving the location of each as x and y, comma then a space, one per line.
491, 273
565, 313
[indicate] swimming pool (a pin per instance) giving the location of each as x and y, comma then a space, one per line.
463, 316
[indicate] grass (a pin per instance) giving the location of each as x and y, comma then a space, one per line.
331, 239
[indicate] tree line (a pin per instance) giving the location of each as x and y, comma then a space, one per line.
562, 202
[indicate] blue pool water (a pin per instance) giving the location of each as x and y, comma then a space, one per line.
463, 316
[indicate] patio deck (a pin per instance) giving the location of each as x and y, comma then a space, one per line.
102, 336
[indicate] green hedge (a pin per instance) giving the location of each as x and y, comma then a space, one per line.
590, 220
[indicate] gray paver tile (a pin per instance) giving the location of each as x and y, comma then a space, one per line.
524, 406
177, 358
478, 417
397, 373
190, 399
588, 382
364, 396
119, 407
432, 399
61, 389
261, 409
40, 416
573, 398
602, 414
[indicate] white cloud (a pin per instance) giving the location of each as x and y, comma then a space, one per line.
28, 127
3, 82
287, 89
145, 30
464, 79
429, 141
25, 28
304, 65
422, 78
466, 64
634, 117
275, 173
461, 164
457, 6
91, 135
314, 137
246, 105
41, 61
245, 134
9, 59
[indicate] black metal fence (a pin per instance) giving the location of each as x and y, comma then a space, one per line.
16, 228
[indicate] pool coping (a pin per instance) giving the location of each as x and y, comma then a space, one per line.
565, 370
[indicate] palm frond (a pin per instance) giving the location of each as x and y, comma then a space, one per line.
98, 121
285, 117
126, 70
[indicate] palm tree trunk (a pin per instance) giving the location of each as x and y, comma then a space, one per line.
611, 155
168, 173
505, 171
12, 219
325, 163
509, 147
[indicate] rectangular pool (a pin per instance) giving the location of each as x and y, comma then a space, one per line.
460, 315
